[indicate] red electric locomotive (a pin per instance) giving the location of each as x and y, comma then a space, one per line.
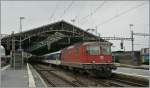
92, 57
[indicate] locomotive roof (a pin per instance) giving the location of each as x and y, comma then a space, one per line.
87, 43
97, 43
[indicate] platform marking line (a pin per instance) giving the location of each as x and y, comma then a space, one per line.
31, 79
133, 74
45, 86
132, 66
4, 68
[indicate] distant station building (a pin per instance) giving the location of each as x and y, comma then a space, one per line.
125, 57
4, 59
2, 52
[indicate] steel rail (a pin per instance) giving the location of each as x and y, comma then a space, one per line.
48, 76
129, 82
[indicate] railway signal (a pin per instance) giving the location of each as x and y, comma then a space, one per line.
117, 38
121, 44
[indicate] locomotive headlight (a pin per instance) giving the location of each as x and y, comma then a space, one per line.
108, 61
102, 57
93, 61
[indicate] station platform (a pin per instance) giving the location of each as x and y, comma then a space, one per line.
12, 78
20, 77
145, 67
133, 72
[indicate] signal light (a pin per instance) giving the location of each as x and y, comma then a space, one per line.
121, 45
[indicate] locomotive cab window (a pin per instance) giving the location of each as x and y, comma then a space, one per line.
106, 50
93, 50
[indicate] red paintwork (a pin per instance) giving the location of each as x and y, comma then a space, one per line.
82, 57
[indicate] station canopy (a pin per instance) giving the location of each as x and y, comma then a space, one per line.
48, 38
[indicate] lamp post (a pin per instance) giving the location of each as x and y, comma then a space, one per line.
21, 18
131, 25
20, 48
134, 58
73, 21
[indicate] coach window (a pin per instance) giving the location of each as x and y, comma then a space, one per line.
57, 57
93, 50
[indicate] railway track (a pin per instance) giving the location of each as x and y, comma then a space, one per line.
54, 80
131, 83
107, 83
103, 82
114, 82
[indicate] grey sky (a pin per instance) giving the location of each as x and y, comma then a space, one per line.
88, 14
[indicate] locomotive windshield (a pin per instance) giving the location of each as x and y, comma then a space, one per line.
93, 50
106, 50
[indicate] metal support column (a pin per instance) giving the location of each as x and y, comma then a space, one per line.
20, 47
132, 41
13, 51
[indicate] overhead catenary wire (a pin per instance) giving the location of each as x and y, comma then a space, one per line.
65, 10
138, 44
54, 11
93, 12
76, 17
120, 14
